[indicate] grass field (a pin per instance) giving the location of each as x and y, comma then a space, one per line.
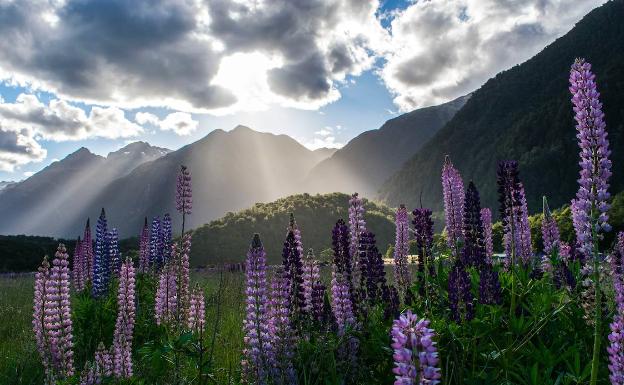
20, 362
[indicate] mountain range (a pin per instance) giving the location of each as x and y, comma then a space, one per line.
523, 113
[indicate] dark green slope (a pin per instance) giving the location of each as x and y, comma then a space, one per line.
525, 114
227, 239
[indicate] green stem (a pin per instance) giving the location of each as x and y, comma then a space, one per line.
597, 322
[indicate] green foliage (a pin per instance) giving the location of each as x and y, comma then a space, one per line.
227, 239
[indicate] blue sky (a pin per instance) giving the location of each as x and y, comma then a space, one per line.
102, 74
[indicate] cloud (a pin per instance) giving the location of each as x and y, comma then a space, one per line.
167, 53
324, 137
181, 123
61, 121
443, 49
18, 148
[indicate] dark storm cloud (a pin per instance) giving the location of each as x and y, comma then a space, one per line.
114, 51
306, 79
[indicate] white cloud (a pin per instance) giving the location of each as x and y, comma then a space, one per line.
28, 174
324, 137
443, 49
181, 123
18, 148
60, 121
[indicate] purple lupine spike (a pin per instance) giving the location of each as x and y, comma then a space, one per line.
342, 258
165, 304
77, 271
593, 195
489, 286
486, 220
114, 253
101, 261
453, 191
461, 300
196, 320
166, 240
311, 275
293, 266
357, 226
390, 297
257, 354
184, 194
401, 250
281, 329
616, 337
524, 229
423, 233
57, 309
183, 278
41, 316
508, 196
87, 253
550, 236
318, 301
156, 247
415, 353
473, 252
144, 248
124, 327
103, 361
342, 306
374, 275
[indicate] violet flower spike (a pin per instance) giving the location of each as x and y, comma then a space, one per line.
281, 329
124, 326
101, 261
357, 226
87, 253
196, 320
453, 191
311, 275
415, 354
486, 220
257, 352
77, 271
144, 248
401, 250
616, 337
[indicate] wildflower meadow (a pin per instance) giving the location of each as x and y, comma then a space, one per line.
454, 312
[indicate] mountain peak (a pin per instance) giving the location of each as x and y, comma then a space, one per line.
138, 147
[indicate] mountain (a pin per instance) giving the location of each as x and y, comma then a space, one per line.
525, 113
55, 201
227, 239
4, 184
371, 157
230, 171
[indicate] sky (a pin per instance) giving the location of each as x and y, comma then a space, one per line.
101, 74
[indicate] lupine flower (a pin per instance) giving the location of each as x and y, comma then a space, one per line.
156, 247
280, 329
95, 372
165, 305
183, 278
87, 253
42, 286
101, 262
257, 351
460, 297
77, 271
489, 286
374, 275
166, 240
357, 225
292, 225
196, 320
550, 236
486, 220
57, 309
124, 327
593, 195
144, 248
318, 301
390, 296
616, 337
311, 276
415, 354
184, 194
401, 250
524, 229
453, 191
115, 255
342, 306
423, 233
473, 252
293, 269
508, 196
342, 259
